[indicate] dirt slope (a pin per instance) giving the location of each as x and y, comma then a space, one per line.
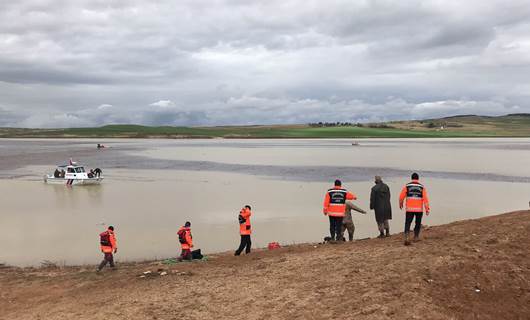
475, 269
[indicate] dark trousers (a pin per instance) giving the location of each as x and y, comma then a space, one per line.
335, 228
109, 258
185, 254
245, 243
408, 221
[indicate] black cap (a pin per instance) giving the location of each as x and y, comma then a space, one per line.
415, 176
187, 224
338, 183
111, 228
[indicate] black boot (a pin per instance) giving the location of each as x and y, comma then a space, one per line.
387, 232
381, 235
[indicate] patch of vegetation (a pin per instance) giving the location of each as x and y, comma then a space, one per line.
462, 126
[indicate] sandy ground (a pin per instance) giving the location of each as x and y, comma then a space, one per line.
474, 269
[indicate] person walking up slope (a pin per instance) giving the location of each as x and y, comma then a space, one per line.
380, 203
108, 244
417, 199
186, 241
244, 230
335, 208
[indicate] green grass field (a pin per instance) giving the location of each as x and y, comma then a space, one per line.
463, 126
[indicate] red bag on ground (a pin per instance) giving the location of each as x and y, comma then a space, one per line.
274, 245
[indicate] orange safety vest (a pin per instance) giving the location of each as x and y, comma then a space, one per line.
244, 222
187, 236
113, 243
335, 201
416, 195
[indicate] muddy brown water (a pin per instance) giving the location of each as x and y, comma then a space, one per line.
152, 187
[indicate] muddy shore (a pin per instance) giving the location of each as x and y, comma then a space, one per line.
472, 269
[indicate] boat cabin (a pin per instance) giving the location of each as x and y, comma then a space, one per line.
72, 171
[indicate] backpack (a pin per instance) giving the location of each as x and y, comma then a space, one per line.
182, 236
104, 239
196, 254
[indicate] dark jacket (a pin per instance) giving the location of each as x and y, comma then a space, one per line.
380, 202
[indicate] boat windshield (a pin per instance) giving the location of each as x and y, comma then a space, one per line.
79, 169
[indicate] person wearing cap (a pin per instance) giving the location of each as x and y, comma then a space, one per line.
380, 203
335, 208
108, 245
186, 241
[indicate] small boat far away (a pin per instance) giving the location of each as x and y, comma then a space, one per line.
74, 174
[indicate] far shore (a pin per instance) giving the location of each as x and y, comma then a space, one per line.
469, 126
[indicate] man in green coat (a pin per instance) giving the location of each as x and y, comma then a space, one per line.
380, 203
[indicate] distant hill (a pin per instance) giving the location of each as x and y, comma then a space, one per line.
517, 125
511, 125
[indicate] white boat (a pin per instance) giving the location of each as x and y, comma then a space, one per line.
72, 174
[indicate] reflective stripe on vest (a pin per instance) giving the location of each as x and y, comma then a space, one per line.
414, 197
337, 202
337, 196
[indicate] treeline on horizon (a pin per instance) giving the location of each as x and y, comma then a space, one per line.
381, 125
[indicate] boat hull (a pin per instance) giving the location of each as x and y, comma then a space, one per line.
72, 182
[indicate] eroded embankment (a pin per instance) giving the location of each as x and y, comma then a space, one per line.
474, 269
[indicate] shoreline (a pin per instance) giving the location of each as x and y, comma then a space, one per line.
169, 137
468, 268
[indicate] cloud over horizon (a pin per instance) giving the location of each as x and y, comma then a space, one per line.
89, 63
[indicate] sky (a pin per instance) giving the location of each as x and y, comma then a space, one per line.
74, 63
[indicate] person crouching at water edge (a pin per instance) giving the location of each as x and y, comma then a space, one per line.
244, 230
107, 240
335, 208
417, 198
347, 221
186, 241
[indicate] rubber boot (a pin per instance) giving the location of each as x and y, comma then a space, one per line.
407, 239
387, 230
381, 235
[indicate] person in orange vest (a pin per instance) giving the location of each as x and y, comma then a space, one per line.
108, 244
244, 230
186, 241
335, 208
416, 199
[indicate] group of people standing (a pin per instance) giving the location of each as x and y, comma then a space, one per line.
109, 244
338, 207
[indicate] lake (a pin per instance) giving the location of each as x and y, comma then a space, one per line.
152, 187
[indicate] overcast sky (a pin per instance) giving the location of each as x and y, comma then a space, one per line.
67, 63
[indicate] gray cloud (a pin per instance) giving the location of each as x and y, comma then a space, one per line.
239, 62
